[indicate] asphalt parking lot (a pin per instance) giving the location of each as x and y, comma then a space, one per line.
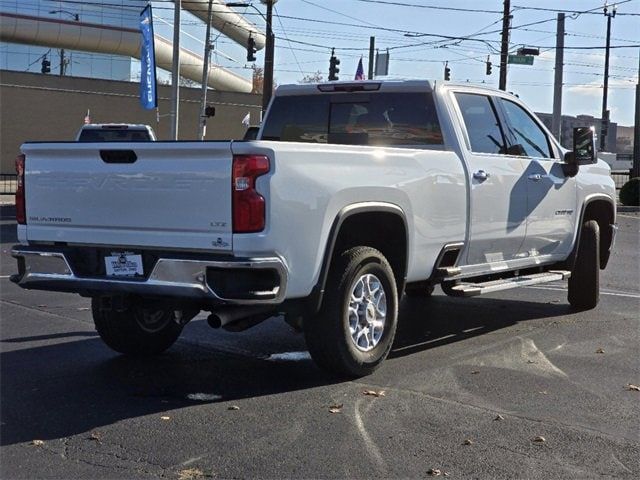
511, 385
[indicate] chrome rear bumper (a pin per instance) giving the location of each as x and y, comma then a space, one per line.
174, 277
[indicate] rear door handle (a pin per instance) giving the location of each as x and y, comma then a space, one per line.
481, 175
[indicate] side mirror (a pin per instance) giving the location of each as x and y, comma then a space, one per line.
584, 146
584, 150
251, 133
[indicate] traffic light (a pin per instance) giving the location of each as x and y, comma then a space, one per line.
528, 51
333, 66
488, 65
447, 71
46, 65
251, 49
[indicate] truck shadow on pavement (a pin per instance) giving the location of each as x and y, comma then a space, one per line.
426, 323
71, 386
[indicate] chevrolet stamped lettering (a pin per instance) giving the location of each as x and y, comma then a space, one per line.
353, 195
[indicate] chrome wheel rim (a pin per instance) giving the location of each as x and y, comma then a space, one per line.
152, 321
367, 312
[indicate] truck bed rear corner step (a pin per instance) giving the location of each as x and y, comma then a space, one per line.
468, 289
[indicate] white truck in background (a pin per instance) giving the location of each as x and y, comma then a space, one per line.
115, 132
353, 194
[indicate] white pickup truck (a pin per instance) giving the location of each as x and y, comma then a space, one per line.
352, 194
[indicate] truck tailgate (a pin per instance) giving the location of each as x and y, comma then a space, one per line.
173, 195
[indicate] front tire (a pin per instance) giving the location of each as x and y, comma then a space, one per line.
584, 283
136, 330
354, 330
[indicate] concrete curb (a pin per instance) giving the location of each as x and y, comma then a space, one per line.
626, 209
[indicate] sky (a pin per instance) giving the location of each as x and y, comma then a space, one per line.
307, 30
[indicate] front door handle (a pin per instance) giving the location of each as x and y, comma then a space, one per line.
481, 175
536, 177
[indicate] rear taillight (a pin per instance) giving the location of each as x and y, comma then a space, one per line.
248, 204
21, 213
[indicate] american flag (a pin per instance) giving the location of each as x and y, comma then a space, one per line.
360, 71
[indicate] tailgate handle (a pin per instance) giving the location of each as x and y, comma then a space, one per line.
118, 156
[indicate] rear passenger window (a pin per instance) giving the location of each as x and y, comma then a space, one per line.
481, 123
524, 135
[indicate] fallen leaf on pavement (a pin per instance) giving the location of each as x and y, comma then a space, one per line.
543, 392
37, 443
499, 417
468, 441
539, 439
373, 393
631, 386
191, 474
600, 350
233, 407
434, 472
336, 408
95, 436
164, 417
531, 361
475, 372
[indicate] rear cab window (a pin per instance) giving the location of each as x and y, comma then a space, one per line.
395, 119
114, 135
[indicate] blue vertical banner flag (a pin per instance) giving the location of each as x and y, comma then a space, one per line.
148, 87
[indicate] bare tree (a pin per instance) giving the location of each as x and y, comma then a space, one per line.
313, 78
258, 80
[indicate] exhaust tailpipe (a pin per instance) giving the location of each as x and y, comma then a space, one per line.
236, 319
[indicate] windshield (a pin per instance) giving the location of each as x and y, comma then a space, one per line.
381, 119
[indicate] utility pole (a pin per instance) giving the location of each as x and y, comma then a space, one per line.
62, 62
175, 71
504, 49
202, 129
604, 122
635, 171
556, 122
267, 87
372, 48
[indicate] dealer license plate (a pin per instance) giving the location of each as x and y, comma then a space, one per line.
124, 264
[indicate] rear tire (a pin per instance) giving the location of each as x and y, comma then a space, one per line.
354, 330
584, 283
136, 330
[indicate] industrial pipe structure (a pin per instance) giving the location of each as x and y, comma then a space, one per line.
91, 37
226, 21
